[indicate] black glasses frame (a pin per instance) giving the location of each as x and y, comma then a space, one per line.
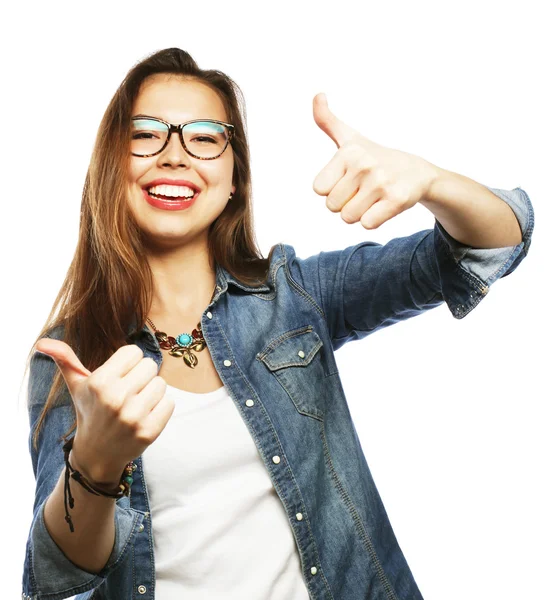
179, 130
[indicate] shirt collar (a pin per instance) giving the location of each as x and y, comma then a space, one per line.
223, 280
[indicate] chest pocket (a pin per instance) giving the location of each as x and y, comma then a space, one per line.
295, 359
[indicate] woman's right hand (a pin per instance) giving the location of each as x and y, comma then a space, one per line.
121, 408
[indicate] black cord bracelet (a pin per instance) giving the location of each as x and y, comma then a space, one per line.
124, 487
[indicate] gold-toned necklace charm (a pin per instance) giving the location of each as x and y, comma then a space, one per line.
182, 345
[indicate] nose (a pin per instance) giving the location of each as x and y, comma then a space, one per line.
174, 155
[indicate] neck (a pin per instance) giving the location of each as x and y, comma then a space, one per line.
183, 285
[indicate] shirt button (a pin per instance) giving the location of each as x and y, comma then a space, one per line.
301, 354
299, 517
141, 527
227, 363
209, 315
142, 589
249, 402
275, 459
313, 570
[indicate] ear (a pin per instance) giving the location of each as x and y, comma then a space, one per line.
233, 189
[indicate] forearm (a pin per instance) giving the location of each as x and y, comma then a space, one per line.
470, 212
90, 545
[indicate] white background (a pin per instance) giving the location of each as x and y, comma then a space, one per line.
456, 418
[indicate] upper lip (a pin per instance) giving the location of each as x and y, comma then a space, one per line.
166, 181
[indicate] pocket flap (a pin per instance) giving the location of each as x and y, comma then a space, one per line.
292, 349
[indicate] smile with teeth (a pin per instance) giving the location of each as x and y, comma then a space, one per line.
171, 192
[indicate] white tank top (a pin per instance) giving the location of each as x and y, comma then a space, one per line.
219, 528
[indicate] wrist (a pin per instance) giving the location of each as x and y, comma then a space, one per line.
436, 178
100, 476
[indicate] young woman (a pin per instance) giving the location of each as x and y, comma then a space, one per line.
213, 453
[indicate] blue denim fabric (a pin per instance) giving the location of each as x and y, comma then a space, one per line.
347, 546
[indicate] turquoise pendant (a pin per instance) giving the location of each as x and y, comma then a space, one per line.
184, 340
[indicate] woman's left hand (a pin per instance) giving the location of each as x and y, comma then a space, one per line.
365, 181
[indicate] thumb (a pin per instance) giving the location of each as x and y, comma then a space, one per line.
68, 363
329, 122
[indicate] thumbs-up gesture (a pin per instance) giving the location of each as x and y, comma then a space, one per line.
365, 181
120, 408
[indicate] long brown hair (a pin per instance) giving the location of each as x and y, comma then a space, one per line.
109, 266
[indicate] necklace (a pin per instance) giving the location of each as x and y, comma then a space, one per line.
182, 345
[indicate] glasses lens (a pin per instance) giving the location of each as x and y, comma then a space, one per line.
205, 139
147, 136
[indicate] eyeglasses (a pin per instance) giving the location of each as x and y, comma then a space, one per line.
202, 138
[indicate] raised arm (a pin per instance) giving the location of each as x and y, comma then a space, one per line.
56, 560
480, 234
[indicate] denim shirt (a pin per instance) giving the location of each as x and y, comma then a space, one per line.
273, 347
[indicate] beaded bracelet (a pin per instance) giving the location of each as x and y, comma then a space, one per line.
124, 487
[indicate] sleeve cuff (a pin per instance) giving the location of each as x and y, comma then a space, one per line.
468, 273
58, 577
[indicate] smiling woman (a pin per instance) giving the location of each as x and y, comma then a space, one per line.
202, 139
214, 454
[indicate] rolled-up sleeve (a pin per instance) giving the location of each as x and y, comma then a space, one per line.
482, 267
369, 286
48, 573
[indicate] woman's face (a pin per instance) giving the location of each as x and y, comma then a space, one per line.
175, 100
